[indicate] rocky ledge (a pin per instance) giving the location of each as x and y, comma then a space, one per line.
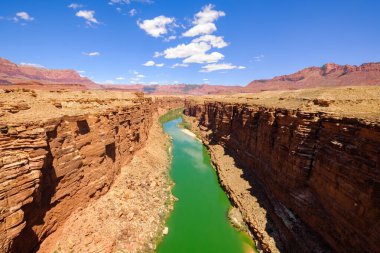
305, 180
61, 150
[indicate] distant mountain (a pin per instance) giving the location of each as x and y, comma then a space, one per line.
11, 73
329, 75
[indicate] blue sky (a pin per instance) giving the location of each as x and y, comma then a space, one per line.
218, 42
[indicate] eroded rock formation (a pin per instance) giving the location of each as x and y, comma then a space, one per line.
51, 165
319, 173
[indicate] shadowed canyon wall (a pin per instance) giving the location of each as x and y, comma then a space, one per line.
320, 173
48, 169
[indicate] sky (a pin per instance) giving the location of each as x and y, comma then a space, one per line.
228, 42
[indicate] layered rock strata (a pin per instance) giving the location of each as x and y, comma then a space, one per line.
53, 164
315, 175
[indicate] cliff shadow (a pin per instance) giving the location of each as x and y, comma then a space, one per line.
34, 213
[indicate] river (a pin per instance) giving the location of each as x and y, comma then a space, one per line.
198, 223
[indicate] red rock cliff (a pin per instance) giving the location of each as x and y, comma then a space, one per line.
320, 173
11, 73
51, 167
329, 75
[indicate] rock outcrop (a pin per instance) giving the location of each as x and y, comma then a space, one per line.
329, 75
319, 172
52, 163
24, 75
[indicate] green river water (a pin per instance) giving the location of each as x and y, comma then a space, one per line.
198, 223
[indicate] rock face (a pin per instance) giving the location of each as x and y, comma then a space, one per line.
11, 73
51, 167
329, 75
320, 173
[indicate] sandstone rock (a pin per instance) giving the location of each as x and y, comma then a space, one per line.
319, 172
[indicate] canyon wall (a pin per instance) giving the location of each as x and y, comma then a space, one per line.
320, 174
50, 168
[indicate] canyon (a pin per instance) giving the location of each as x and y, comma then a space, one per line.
302, 167
61, 151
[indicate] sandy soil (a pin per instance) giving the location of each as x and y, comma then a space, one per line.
130, 217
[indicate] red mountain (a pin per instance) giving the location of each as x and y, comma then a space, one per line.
329, 75
11, 73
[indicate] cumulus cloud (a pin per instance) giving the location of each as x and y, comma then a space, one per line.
157, 54
75, 6
186, 50
88, 16
109, 82
120, 78
24, 16
152, 63
200, 29
132, 12
92, 54
157, 26
31, 65
215, 41
149, 63
204, 21
204, 58
220, 66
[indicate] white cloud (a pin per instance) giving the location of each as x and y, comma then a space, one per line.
157, 26
152, 63
88, 15
109, 82
24, 16
175, 82
120, 78
157, 54
149, 63
75, 6
112, 2
207, 15
132, 12
204, 21
186, 50
140, 76
81, 71
200, 29
153, 83
215, 41
204, 58
220, 66
92, 54
31, 65
172, 37
184, 65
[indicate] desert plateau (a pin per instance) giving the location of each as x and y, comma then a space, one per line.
139, 126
